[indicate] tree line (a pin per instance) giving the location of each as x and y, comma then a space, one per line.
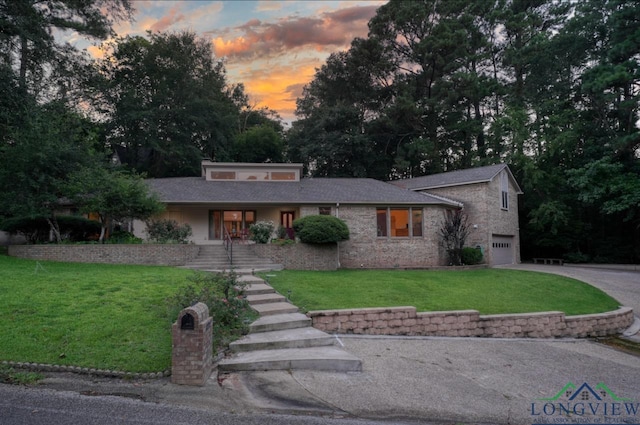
84, 133
551, 88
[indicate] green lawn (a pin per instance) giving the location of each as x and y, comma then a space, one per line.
89, 315
490, 291
116, 317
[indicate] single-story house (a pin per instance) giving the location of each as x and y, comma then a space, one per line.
391, 225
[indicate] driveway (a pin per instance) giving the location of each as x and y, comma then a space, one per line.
622, 285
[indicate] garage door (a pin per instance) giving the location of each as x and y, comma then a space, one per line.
502, 250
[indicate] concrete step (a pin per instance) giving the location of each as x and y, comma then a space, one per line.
265, 299
280, 322
330, 359
249, 278
275, 308
258, 289
276, 340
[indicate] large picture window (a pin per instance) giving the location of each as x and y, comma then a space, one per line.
399, 222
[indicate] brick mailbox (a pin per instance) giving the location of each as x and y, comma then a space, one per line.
191, 354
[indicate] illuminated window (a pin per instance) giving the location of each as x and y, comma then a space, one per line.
283, 175
253, 175
223, 175
399, 222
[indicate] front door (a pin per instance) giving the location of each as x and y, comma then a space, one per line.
286, 221
233, 221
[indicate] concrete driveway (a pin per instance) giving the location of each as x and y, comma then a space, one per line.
622, 285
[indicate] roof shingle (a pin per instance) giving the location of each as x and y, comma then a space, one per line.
455, 178
306, 191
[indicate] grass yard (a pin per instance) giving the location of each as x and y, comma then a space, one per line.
89, 315
116, 317
490, 291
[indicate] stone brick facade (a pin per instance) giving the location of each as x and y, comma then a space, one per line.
405, 321
191, 347
151, 254
365, 249
300, 256
487, 218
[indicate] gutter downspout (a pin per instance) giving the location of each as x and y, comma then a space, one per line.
338, 243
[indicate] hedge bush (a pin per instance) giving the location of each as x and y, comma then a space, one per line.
321, 229
471, 256
36, 229
261, 231
168, 231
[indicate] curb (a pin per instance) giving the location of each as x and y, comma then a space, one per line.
41, 367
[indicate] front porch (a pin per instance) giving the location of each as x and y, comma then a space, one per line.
210, 223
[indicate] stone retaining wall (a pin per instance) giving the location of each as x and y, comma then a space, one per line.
300, 256
149, 254
405, 321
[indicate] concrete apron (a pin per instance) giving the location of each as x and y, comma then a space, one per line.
462, 380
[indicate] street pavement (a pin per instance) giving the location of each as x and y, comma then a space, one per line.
419, 380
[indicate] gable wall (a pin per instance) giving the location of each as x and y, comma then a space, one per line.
482, 202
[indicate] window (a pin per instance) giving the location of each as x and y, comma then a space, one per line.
417, 221
381, 215
399, 222
223, 175
504, 190
283, 175
253, 175
324, 210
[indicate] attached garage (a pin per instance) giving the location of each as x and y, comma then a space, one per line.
502, 250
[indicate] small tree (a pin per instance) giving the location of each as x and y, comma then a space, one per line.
453, 234
320, 229
112, 195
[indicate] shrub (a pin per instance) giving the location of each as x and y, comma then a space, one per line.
281, 233
123, 237
75, 228
168, 231
576, 257
261, 231
321, 229
33, 229
224, 295
471, 256
36, 229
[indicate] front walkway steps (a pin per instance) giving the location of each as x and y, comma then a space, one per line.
283, 339
213, 258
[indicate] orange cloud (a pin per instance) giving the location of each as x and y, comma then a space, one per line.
332, 30
173, 16
277, 87
96, 52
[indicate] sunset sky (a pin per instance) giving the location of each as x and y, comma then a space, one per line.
273, 47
